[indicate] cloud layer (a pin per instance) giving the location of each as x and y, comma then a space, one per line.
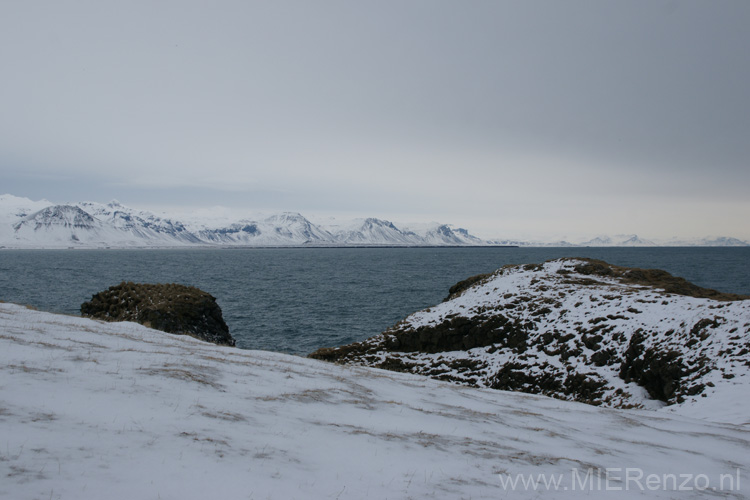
511, 118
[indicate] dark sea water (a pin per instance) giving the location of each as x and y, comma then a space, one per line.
299, 299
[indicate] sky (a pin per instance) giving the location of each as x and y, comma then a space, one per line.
514, 119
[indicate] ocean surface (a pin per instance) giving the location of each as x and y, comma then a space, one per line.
296, 300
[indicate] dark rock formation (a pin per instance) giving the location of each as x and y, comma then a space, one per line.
657, 371
171, 308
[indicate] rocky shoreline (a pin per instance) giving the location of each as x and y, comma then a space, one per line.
575, 329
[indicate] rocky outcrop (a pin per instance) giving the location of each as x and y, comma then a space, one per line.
171, 308
577, 329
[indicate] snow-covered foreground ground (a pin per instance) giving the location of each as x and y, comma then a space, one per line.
101, 410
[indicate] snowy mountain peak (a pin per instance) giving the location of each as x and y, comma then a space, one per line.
287, 217
724, 241
623, 240
372, 222
58, 215
374, 231
634, 240
444, 234
599, 241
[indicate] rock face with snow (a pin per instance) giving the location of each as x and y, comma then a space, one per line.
376, 231
285, 229
136, 225
171, 308
628, 240
58, 223
575, 329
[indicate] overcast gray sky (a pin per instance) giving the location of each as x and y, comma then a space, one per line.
511, 118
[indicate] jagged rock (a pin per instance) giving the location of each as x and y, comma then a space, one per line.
171, 308
577, 329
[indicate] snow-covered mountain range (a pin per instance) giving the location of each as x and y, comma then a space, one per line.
25, 223
32, 224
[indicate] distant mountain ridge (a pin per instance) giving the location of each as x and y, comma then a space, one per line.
41, 224
25, 223
632, 240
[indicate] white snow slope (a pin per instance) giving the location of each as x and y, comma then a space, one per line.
92, 410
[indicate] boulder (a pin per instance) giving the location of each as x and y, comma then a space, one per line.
171, 308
